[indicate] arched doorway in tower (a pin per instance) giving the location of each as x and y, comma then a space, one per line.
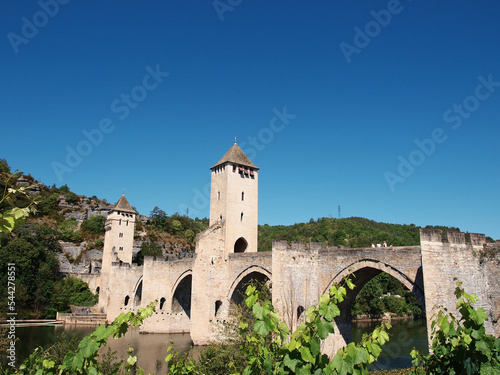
181, 301
257, 278
240, 245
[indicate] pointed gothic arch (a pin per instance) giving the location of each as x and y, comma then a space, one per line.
245, 278
363, 271
181, 294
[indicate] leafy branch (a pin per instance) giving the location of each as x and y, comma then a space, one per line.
9, 219
461, 345
271, 348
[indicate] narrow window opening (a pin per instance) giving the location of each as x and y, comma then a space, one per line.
218, 195
242, 195
241, 217
120, 223
300, 310
126, 300
162, 302
218, 304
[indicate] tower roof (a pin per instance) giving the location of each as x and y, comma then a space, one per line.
236, 155
123, 205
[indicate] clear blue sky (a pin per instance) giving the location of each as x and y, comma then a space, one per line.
163, 87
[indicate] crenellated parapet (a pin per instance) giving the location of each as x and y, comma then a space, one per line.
452, 238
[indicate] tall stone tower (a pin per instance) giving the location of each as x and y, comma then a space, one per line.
234, 200
233, 229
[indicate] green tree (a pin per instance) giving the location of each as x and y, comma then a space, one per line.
68, 232
176, 226
189, 235
158, 218
36, 268
69, 291
49, 205
94, 225
148, 248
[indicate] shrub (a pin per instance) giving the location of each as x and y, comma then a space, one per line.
461, 345
270, 348
94, 225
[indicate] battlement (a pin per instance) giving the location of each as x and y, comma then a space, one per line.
296, 246
437, 235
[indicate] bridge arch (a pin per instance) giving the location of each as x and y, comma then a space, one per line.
363, 271
181, 293
138, 292
238, 287
366, 269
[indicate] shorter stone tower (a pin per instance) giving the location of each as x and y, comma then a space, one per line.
118, 243
119, 237
234, 200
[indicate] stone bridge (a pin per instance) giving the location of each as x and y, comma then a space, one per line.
195, 294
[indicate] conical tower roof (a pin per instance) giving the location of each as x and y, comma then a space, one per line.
236, 155
123, 205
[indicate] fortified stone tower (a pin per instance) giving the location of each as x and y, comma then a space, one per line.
234, 200
233, 229
118, 243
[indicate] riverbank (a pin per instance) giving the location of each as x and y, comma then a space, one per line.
31, 322
367, 318
402, 371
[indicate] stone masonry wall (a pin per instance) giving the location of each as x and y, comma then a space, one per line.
448, 258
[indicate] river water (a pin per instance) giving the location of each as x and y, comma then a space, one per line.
151, 348
404, 335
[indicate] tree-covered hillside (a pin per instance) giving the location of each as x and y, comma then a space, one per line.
350, 232
62, 218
